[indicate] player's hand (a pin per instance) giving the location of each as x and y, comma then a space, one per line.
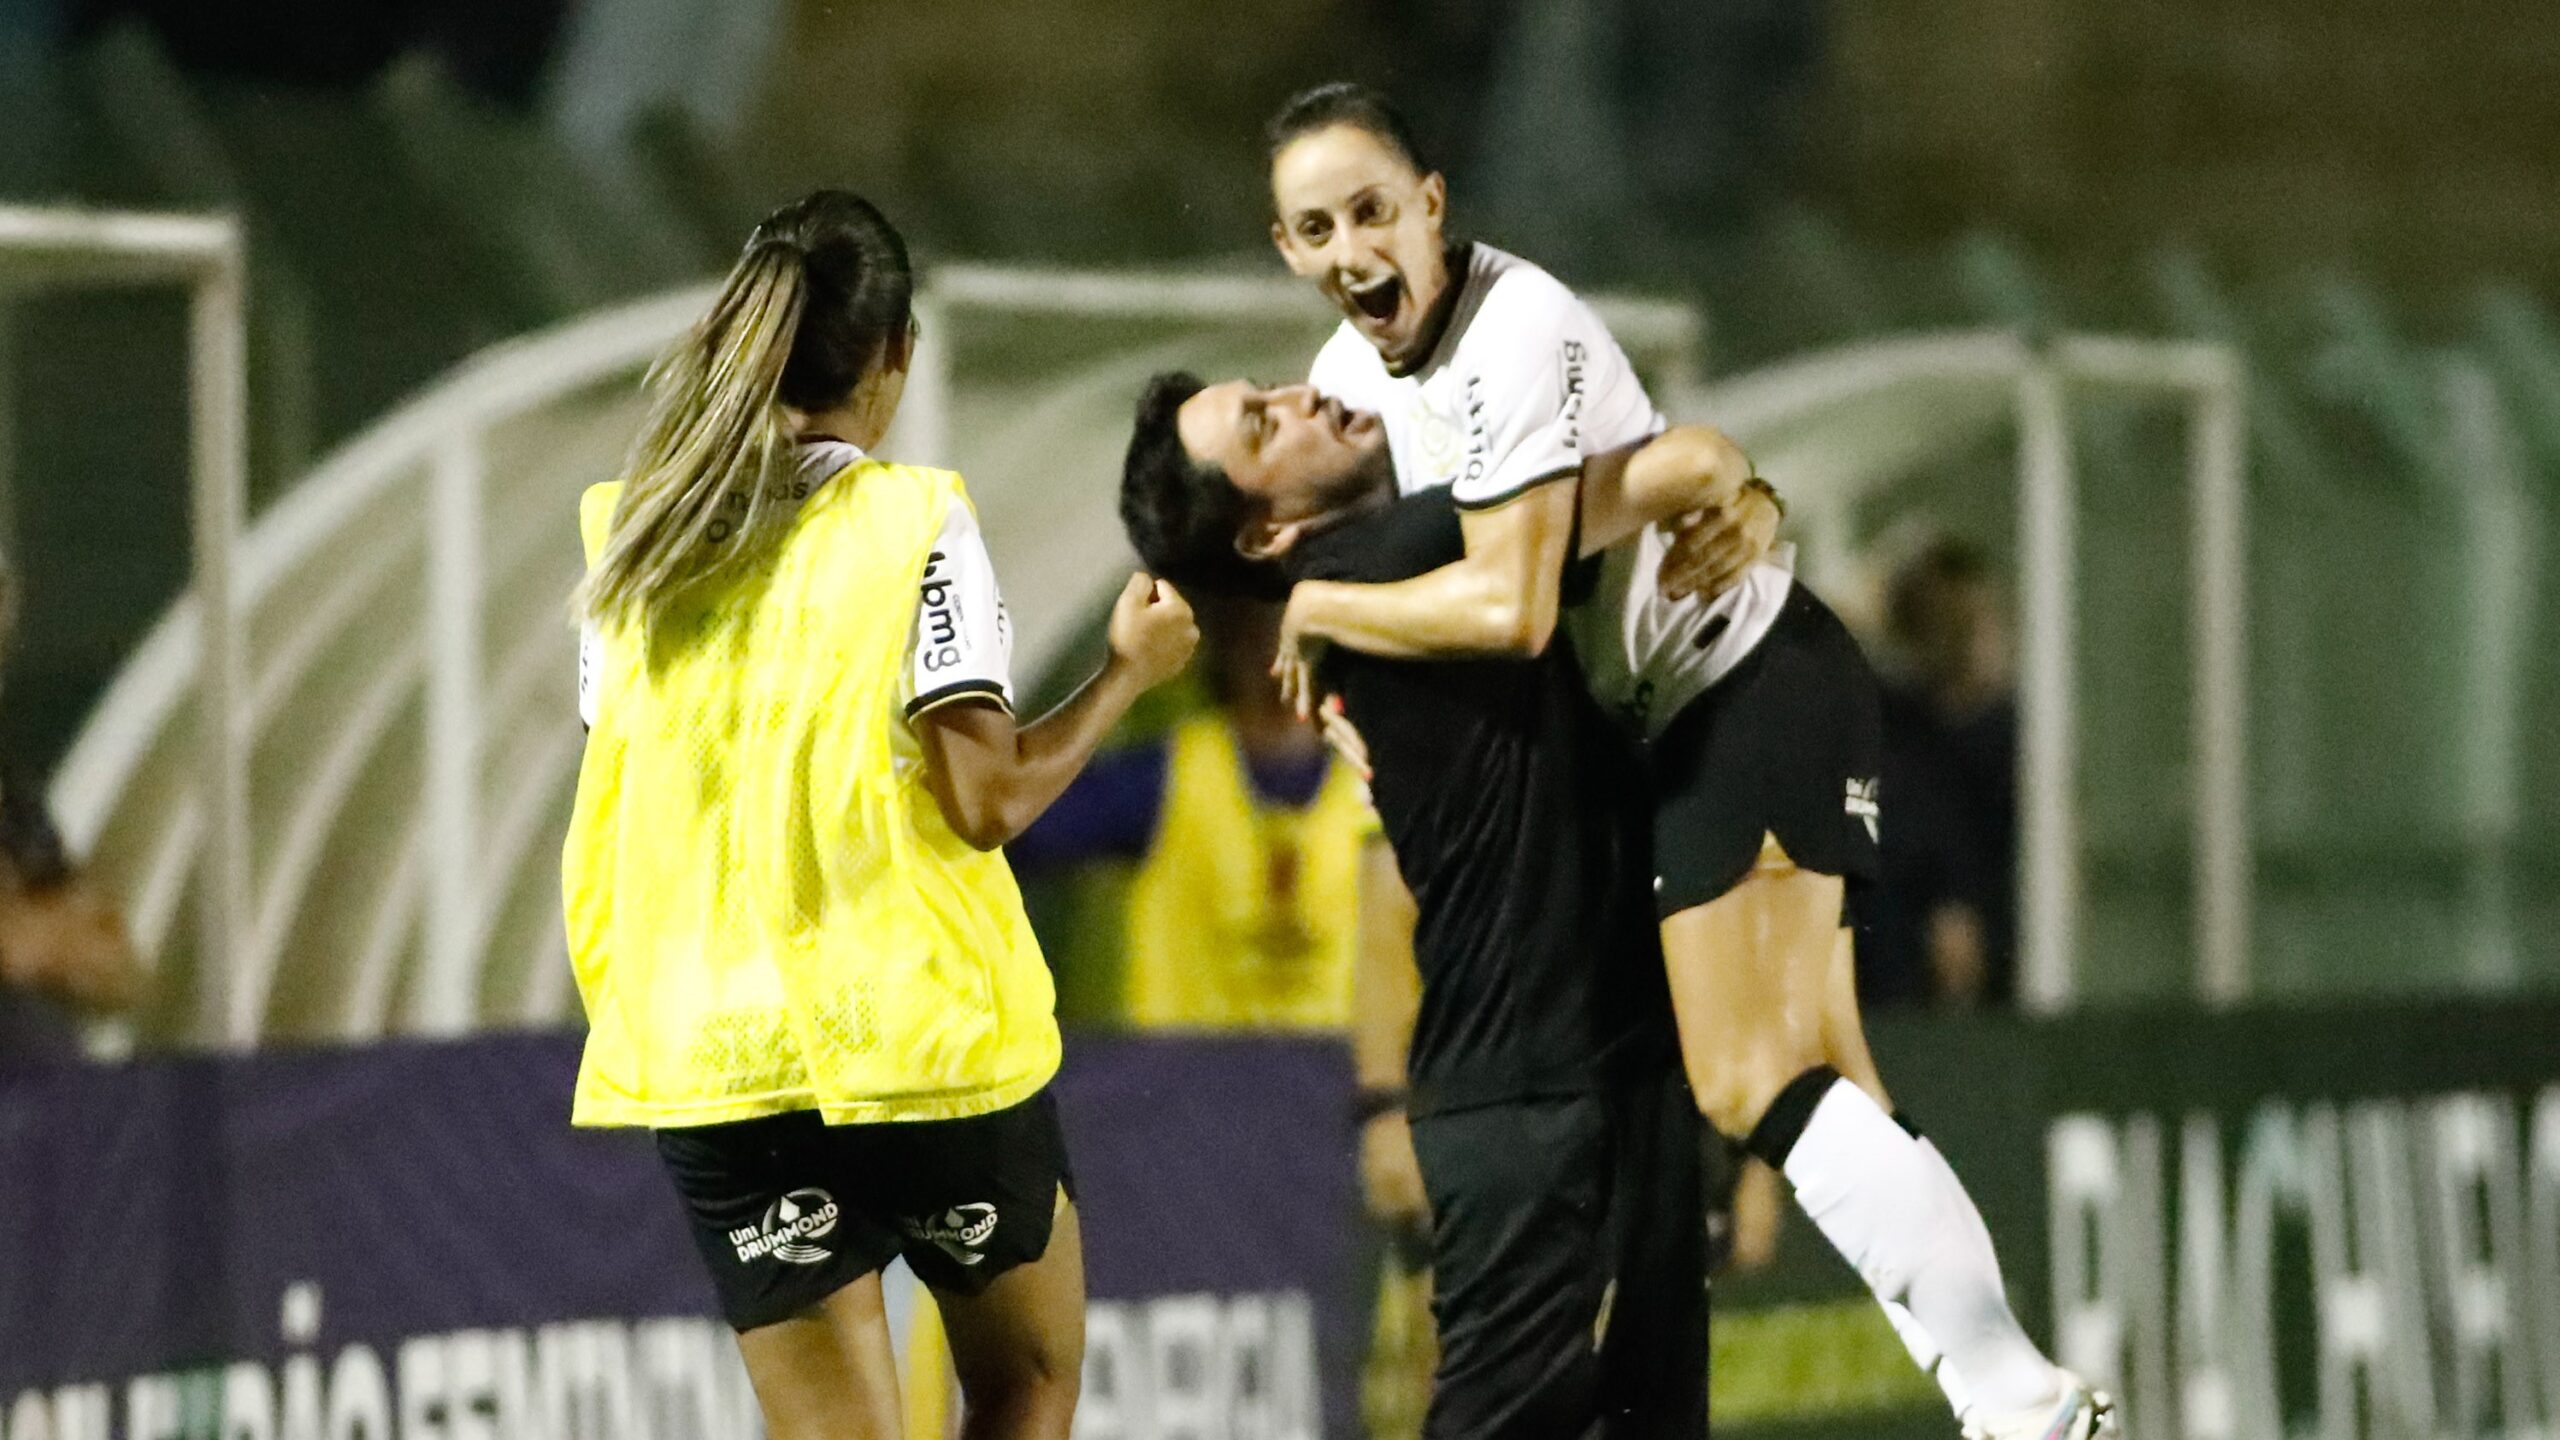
1152, 631
68, 942
1711, 548
1344, 737
1390, 1175
1295, 664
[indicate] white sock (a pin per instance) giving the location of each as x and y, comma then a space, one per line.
1925, 1354
1975, 1235
1896, 1213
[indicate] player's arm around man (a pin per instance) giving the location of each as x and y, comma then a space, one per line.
1502, 598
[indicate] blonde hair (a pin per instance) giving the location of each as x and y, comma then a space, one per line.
822, 297
706, 488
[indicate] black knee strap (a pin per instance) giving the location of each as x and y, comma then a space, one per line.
1774, 1138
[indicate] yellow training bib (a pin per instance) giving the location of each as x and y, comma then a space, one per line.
1244, 914
766, 909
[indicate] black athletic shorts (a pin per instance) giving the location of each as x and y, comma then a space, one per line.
788, 1209
1789, 744
1569, 1266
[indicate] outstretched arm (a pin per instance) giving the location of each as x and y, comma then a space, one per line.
992, 779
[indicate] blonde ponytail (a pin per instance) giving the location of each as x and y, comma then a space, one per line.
705, 492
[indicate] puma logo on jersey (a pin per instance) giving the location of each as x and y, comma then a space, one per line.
1861, 802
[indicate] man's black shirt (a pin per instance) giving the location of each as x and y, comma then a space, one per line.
1516, 814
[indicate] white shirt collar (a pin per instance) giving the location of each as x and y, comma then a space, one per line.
823, 460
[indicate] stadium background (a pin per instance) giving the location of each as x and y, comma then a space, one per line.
2353, 200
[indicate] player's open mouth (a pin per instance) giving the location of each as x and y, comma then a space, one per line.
1377, 298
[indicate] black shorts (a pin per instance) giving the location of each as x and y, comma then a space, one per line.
1789, 744
1569, 1266
788, 1209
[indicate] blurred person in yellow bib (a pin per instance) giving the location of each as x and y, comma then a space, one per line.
804, 964
1244, 833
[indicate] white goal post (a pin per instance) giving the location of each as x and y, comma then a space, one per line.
61, 247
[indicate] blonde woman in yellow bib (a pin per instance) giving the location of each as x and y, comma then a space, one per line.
804, 964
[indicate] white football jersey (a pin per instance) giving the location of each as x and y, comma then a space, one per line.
1525, 385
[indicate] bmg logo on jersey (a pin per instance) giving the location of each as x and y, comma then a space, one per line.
789, 1226
1479, 439
938, 617
1576, 360
960, 1232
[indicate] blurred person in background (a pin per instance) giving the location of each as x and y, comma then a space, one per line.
1246, 834
64, 953
1943, 930
805, 965
1490, 380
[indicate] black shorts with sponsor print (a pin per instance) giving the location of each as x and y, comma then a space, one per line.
1787, 745
788, 1209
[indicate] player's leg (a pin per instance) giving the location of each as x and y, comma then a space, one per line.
1746, 1030
1520, 1266
1845, 1041
1844, 1029
796, 1257
1844, 1034
985, 1208
1767, 802
1760, 957
1018, 1345
1653, 1352
827, 1373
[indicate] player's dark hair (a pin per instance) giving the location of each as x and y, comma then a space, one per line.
1183, 514
1344, 102
821, 296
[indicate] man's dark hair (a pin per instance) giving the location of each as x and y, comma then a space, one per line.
1183, 514
1344, 102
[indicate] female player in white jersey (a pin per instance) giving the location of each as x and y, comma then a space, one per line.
804, 966
1760, 713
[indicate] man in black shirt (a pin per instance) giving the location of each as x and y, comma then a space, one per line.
1559, 1147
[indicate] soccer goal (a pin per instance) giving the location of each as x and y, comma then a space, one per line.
46, 248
